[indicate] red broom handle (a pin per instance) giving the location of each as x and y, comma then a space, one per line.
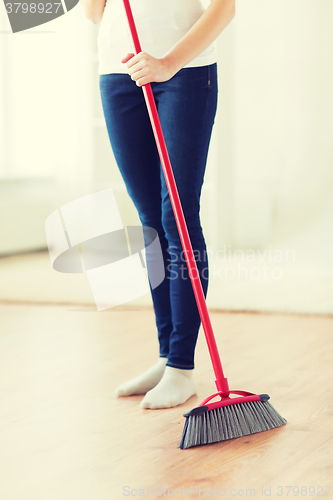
221, 381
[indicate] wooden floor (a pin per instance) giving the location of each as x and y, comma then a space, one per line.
65, 436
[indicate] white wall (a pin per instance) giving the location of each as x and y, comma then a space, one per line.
46, 147
282, 117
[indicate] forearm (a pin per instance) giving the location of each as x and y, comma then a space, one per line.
204, 32
93, 9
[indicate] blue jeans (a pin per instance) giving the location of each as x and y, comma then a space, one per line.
186, 105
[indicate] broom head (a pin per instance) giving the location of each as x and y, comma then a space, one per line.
229, 418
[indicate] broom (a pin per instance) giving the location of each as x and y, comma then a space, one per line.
228, 417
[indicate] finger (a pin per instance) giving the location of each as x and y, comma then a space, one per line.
139, 74
143, 81
127, 58
134, 60
137, 67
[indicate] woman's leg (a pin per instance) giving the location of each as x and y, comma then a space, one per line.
136, 154
187, 106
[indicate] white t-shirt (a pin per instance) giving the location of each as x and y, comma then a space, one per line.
160, 24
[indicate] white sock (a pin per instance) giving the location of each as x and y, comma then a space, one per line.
176, 387
144, 382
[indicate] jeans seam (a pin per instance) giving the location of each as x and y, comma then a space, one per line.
175, 365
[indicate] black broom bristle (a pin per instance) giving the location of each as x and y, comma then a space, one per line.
229, 422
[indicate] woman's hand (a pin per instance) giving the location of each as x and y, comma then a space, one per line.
144, 68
